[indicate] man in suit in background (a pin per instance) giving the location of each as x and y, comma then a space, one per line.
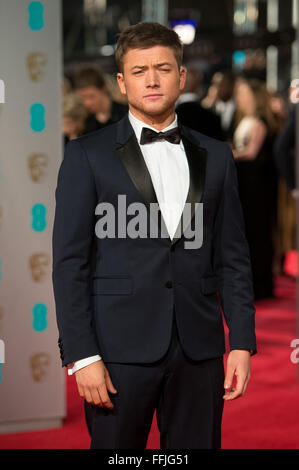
220, 99
139, 320
284, 151
190, 112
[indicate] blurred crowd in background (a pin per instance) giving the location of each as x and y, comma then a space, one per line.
258, 124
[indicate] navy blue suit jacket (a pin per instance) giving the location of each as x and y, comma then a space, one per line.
116, 296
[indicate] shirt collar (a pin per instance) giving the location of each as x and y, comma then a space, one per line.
138, 125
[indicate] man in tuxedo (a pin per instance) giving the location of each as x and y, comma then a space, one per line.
139, 318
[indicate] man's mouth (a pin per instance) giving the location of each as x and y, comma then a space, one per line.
153, 95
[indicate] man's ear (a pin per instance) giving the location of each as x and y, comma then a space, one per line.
183, 75
121, 83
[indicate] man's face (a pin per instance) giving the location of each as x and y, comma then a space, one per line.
92, 98
151, 80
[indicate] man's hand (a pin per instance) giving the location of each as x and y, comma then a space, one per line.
238, 364
94, 382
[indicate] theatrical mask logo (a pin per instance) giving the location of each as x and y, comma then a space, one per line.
37, 165
36, 63
38, 263
39, 364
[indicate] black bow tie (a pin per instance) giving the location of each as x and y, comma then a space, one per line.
148, 136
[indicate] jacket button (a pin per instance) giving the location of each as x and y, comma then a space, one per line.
168, 284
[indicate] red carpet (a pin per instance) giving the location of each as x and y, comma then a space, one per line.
267, 417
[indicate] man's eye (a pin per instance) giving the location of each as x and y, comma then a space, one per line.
137, 73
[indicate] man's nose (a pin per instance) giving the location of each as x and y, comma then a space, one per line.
152, 78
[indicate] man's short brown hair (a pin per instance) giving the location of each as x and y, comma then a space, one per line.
144, 35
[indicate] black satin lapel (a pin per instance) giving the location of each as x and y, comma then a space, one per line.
196, 157
132, 159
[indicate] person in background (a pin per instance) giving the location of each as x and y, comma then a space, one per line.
279, 108
103, 110
257, 177
284, 155
284, 151
220, 99
66, 87
191, 113
74, 116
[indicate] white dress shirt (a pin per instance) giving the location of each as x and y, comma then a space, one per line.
169, 170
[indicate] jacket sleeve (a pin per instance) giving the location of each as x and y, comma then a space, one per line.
72, 242
232, 263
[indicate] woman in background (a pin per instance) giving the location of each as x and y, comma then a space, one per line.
256, 128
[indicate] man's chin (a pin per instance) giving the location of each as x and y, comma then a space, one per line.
156, 110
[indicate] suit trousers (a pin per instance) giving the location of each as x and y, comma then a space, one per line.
186, 394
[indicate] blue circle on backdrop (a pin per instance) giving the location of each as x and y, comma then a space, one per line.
39, 312
36, 16
37, 117
39, 222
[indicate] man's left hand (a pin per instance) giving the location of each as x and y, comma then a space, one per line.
238, 364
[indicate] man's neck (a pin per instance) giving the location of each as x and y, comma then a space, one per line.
158, 122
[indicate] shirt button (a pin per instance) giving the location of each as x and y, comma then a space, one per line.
168, 284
